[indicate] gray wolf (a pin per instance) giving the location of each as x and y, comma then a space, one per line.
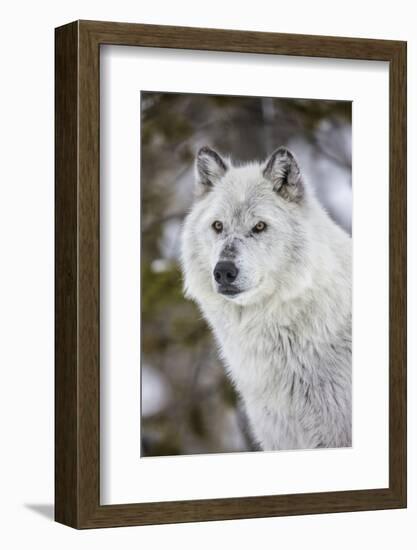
271, 273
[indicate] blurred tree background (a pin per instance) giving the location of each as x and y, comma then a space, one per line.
188, 404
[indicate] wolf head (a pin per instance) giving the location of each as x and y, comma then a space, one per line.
245, 235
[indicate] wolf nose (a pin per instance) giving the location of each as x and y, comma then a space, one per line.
225, 273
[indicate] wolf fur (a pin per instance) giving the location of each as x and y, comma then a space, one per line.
283, 324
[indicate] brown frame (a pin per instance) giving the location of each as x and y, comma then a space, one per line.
77, 274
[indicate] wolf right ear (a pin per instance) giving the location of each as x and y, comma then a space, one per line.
210, 169
283, 171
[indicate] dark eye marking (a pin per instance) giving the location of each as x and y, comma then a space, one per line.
217, 226
259, 227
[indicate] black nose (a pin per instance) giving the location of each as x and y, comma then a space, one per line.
225, 273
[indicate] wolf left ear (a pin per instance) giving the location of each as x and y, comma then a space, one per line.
283, 171
210, 169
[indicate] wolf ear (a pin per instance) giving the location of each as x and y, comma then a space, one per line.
283, 171
210, 169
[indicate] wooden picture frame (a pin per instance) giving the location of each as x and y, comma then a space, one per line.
77, 374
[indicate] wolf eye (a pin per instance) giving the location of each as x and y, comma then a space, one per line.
259, 227
217, 226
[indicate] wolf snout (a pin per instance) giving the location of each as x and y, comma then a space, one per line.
225, 273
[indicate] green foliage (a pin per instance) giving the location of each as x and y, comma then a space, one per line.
159, 290
190, 329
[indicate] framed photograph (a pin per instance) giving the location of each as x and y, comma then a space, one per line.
230, 274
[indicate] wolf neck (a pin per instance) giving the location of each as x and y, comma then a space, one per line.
311, 307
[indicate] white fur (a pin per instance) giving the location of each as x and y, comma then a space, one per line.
286, 338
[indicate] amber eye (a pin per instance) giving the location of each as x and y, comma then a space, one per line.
217, 226
260, 226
